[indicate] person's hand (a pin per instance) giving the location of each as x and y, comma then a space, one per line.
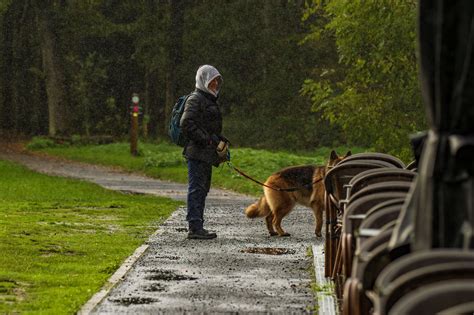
224, 139
223, 151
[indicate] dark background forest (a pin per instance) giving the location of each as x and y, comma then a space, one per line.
297, 74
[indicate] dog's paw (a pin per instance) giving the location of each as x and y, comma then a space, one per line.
318, 234
285, 234
273, 233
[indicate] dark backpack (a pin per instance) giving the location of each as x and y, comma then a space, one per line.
174, 129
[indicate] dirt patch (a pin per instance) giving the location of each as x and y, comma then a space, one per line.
11, 143
181, 229
7, 285
268, 250
76, 208
130, 192
58, 250
133, 300
167, 275
11, 291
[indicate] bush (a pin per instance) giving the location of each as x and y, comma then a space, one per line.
369, 88
41, 143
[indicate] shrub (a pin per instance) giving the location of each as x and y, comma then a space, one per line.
41, 143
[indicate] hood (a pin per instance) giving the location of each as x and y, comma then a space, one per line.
206, 74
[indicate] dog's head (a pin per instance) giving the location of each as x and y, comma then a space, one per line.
334, 159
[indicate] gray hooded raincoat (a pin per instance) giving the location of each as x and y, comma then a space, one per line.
201, 122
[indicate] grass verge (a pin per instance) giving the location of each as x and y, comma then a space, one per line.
61, 239
314, 308
319, 289
165, 161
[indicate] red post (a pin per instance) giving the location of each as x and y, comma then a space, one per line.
135, 111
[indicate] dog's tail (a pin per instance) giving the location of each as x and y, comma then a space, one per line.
258, 209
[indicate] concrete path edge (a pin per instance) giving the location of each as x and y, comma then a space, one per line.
326, 302
118, 276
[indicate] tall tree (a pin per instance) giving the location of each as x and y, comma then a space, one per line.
21, 91
52, 67
8, 30
175, 44
151, 54
101, 51
375, 96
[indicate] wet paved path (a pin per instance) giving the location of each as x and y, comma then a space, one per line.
235, 273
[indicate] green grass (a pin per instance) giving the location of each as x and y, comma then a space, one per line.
318, 289
165, 161
61, 239
314, 308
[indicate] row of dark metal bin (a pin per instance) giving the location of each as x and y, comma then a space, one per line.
365, 194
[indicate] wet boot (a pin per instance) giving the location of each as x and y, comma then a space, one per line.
201, 234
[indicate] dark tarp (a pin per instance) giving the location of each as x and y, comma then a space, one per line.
440, 212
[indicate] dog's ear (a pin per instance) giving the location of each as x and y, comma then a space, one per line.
333, 155
349, 153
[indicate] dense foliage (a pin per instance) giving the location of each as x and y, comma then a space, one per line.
75, 72
70, 67
371, 90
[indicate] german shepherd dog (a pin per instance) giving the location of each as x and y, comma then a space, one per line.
274, 205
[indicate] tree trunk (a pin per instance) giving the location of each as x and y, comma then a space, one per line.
54, 74
13, 78
6, 121
175, 55
154, 107
267, 37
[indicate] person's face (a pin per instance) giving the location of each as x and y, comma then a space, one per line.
214, 85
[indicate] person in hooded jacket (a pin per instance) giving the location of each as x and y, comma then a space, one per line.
201, 123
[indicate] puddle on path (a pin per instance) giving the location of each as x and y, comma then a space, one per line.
155, 287
268, 250
166, 275
167, 257
133, 300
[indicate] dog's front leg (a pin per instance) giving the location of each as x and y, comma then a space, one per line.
269, 222
318, 217
319, 222
277, 224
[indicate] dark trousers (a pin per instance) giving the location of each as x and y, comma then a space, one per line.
199, 179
